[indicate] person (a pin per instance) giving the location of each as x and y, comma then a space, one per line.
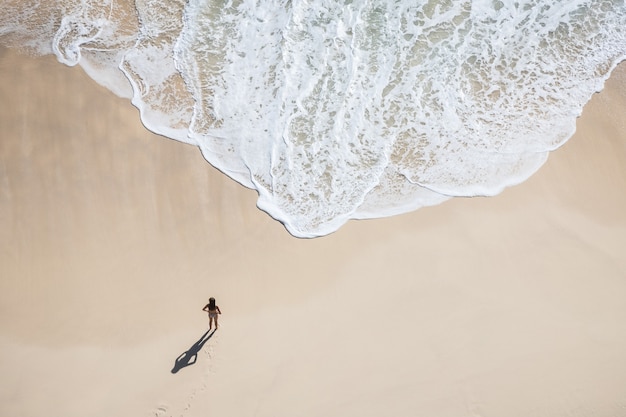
213, 311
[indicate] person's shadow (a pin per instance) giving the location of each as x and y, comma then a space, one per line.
190, 356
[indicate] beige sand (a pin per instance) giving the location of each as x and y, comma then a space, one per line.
112, 240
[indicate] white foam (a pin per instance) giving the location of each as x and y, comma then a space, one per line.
159, 90
323, 102
335, 110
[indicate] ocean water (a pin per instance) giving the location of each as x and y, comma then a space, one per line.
341, 109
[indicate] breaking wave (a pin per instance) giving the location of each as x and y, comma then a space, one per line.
334, 110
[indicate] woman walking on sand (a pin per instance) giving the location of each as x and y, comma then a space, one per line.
213, 311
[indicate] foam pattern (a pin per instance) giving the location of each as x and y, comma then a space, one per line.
333, 109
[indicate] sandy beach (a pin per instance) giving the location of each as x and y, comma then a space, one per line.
113, 239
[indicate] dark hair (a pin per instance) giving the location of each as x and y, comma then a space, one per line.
211, 303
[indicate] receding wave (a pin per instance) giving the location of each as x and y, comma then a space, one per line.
334, 110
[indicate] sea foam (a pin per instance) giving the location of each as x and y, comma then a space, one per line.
334, 110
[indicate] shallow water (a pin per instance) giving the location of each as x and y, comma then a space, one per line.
335, 110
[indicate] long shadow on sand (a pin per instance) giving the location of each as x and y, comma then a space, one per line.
191, 355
